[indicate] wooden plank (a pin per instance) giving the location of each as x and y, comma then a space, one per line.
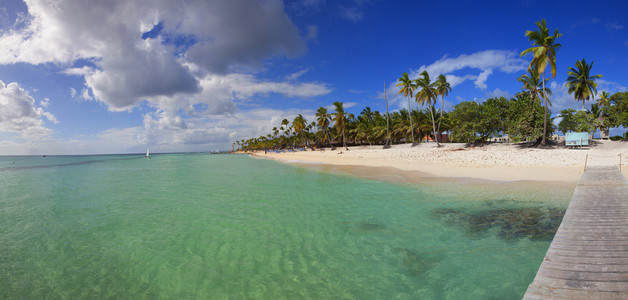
588, 258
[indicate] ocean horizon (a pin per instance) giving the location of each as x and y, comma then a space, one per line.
199, 225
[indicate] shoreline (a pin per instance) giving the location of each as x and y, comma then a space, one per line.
495, 162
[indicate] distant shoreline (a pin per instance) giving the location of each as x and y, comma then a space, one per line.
498, 162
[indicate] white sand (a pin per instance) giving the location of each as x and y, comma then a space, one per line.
503, 162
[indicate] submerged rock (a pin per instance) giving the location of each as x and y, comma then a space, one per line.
370, 226
535, 223
417, 264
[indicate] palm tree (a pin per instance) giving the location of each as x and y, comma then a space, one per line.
323, 121
533, 86
299, 124
443, 88
401, 127
544, 51
604, 100
427, 95
580, 81
340, 121
407, 88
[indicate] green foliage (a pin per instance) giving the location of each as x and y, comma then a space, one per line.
493, 116
618, 111
616, 138
525, 119
577, 121
473, 122
580, 81
544, 48
465, 116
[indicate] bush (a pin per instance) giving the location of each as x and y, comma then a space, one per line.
616, 138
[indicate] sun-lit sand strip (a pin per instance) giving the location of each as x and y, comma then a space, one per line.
503, 162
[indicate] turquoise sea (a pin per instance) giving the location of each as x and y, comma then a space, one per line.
201, 226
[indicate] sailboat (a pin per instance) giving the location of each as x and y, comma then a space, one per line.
147, 153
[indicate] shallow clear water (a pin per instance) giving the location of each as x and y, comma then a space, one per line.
229, 226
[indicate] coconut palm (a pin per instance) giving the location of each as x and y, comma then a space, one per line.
427, 96
604, 100
443, 88
407, 88
544, 51
340, 121
533, 86
299, 125
323, 121
580, 81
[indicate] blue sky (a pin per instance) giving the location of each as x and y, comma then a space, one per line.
113, 76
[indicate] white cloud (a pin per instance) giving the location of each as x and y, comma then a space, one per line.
294, 76
18, 113
610, 86
484, 61
44, 103
85, 94
123, 69
499, 93
477, 67
191, 86
561, 99
480, 81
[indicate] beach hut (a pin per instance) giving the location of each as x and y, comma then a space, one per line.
577, 139
443, 137
500, 139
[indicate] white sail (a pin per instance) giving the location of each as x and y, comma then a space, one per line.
147, 152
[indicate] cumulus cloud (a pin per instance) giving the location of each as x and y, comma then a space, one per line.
499, 93
476, 67
191, 63
480, 65
561, 99
19, 114
145, 50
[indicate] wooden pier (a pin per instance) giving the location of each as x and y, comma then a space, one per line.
588, 258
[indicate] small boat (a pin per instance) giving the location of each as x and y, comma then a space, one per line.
147, 153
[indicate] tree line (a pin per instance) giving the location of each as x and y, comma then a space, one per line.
523, 118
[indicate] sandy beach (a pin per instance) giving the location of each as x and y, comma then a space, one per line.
501, 162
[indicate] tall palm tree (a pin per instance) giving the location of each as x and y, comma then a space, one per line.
427, 96
340, 121
443, 88
580, 81
299, 124
533, 86
407, 88
543, 48
323, 121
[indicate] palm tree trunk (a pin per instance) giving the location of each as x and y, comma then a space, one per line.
434, 127
442, 104
545, 114
410, 117
329, 140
